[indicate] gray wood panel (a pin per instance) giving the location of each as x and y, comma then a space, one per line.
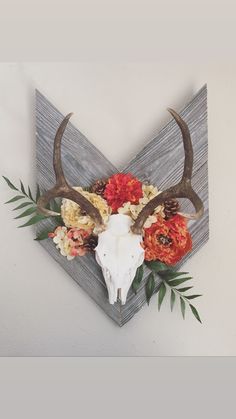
160, 161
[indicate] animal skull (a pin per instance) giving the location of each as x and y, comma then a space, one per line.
119, 253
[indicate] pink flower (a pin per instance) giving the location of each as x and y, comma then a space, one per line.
70, 241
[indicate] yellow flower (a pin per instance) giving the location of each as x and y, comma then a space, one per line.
73, 216
149, 192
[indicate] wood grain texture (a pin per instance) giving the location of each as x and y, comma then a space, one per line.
160, 162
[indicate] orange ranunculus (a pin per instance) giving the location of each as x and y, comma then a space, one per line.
122, 188
167, 240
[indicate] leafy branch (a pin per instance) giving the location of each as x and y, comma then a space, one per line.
172, 280
29, 206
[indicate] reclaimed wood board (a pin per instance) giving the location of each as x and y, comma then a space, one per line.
160, 162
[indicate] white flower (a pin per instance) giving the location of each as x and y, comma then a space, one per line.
63, 243
149, 192
150, 220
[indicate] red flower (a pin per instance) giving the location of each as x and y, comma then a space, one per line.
167, 240
122, 188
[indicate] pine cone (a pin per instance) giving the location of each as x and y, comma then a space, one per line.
171, 207
99, 187
90, 242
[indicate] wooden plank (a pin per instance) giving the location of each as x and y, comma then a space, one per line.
83, 164
160, 161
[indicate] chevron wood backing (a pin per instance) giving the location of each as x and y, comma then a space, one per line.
160, 162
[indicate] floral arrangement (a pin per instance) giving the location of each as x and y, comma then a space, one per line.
166, 238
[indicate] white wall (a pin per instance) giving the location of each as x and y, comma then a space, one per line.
118, 107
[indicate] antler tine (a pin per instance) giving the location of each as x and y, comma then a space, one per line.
183, 189
62, 189
57, 165
188, 148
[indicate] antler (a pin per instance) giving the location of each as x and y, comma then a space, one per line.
62, 189
183, 189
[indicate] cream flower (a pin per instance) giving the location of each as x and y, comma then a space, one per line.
72, 215
63, 243
149, 192
150, 220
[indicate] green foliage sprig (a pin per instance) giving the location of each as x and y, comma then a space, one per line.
29, 202
29, 206
172, 280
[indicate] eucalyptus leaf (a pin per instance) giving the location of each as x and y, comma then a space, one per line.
172, 299
37, 193
24, 204
150, 286
10, 184
191, 297
184, 289
27, 212
55, 206
22, 188
16, 198
161, 294
33, 220
182, 305
156, 266
137, 279
176, 282
43, 235
58, 220
169, 275
30, 194
195, 312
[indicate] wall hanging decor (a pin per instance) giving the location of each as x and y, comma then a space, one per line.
122, 235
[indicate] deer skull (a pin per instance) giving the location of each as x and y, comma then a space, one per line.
119, 253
